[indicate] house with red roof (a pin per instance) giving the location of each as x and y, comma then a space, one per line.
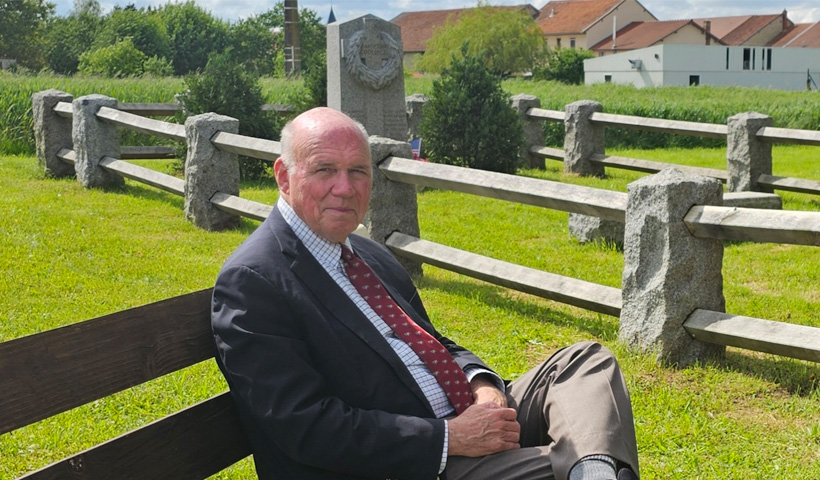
747, 30
801, 35
583, 23
638, 35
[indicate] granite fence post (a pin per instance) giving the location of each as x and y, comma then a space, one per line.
668, 273
583, 139
52, 132
393, 205
94, 140
209, 170
415, 114
747, 157
533, 129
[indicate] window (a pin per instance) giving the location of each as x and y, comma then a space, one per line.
607, 78
694, 80
727, 58
571, 43
558, 42
754, 53
768, 59
747, 58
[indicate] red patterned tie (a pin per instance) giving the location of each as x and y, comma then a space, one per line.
441, 364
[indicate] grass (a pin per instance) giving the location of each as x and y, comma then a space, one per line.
70, 254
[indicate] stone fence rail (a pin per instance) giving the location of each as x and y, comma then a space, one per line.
671, 301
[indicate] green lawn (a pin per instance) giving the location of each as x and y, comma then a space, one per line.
70, 254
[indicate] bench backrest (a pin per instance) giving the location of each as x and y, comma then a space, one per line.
54, 371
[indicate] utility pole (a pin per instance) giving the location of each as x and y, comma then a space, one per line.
293, 56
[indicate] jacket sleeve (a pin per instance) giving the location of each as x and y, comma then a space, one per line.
267, 358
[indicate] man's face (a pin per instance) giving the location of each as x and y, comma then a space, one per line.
329, 187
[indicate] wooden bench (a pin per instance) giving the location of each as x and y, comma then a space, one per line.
51, 372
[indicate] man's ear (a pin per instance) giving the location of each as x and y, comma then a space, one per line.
282, 177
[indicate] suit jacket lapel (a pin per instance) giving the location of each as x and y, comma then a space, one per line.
316, 279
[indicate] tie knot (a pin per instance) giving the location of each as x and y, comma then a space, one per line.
347, 253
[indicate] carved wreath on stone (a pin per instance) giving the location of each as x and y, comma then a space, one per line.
376, 78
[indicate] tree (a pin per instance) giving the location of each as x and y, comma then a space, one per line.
469, 121
119, 60
22, 24
146, 30
507, 41
193, 34
251, 43
312, 34
566, 65
68, 38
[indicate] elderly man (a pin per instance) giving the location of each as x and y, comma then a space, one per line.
338, 373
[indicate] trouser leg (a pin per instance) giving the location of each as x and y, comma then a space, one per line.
572, 405
577, 403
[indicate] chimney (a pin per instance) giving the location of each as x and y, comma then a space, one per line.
614, 29
707, 25
785, 21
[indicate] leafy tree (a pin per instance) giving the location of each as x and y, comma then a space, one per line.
87, 7
119, 60
566, 65
469, 121
69, 37
312, 34
227, 88
193, 34
22, 24
506, 40
251, 44
316, 81
146, 30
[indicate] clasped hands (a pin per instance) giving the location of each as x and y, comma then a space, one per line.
487, 426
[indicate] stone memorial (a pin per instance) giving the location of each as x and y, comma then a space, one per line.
365, 76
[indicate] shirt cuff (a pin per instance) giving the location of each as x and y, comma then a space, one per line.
446, 448
472, 372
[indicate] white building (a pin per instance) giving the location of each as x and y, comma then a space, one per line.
682, 65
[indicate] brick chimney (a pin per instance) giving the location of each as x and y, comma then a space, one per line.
707, 25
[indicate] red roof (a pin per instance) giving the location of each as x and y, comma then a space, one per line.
645, 34
418, 27
738, 30
802, 35
573, 16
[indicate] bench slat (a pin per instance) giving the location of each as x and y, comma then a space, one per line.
50, 372
194, 444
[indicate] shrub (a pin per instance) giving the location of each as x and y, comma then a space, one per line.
316, 81
158, 67
566, 65
469, 122
225, 87
121, 59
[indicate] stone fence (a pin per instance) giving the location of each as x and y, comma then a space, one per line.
671, 302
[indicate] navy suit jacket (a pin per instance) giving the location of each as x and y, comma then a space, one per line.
320, 392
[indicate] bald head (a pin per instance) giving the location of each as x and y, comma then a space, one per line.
324, 172
314, 127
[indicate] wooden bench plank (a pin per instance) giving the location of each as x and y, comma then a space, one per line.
779, 338
54, 371
191, 444
591, 296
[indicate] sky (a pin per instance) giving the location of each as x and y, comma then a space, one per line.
799, 11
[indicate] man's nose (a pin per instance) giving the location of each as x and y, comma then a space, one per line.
343, 186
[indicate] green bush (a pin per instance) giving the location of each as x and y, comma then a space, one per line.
121, 59
158, 67
469, 121
316, 81
225, 87
565, 65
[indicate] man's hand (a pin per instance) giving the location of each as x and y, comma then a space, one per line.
485, 391
484, 429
